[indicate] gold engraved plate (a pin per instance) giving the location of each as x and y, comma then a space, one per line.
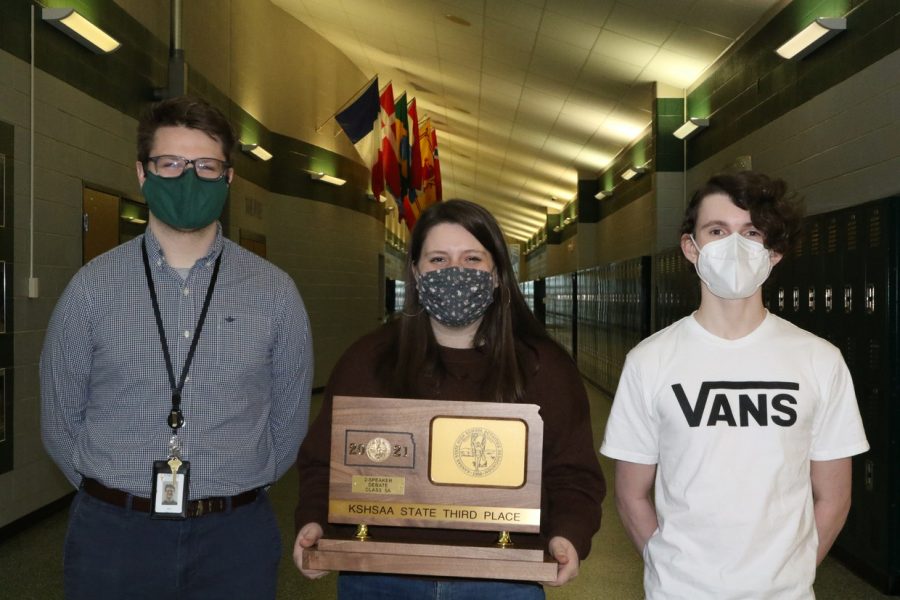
367, 510
478, 452
363, 484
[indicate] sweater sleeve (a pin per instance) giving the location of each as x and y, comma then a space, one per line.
353, 375
573, 484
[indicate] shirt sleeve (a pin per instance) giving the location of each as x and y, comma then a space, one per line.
65, 372
571, 477
631, 431
838, 429
314, 464
292, 361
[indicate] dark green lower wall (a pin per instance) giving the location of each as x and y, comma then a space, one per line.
7, 358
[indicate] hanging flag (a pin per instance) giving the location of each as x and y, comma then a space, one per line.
389, 153
415, 161
430, 174
438, 190
402, 129
360, 121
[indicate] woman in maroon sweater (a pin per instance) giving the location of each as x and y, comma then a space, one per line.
464, 334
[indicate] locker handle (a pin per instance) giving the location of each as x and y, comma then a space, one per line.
811, 299
870, 298
781, 299
828, 299
848, 299
796, 299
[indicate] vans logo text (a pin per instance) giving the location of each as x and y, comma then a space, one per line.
747, 406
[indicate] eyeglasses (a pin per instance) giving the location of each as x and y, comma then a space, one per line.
207, 169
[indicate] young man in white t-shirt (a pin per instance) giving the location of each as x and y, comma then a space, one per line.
743, 423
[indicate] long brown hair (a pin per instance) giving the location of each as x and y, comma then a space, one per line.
507, 332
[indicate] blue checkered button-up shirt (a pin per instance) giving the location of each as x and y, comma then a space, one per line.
105, 394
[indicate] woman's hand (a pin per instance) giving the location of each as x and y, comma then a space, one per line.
308, 535
565, 554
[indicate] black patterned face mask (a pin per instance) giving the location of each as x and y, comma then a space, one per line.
456, 296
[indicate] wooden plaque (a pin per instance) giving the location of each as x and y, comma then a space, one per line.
435, 464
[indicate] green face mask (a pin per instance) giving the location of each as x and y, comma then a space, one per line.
185, 202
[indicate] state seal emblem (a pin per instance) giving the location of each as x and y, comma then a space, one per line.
478, 451
378, 449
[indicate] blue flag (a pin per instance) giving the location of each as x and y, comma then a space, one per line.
359, 117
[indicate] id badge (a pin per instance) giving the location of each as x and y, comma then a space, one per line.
170, 489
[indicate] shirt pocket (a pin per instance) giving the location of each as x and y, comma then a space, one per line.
243, 341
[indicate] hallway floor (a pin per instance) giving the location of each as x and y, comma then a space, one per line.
31, 562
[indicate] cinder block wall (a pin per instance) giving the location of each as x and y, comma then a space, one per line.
841, 148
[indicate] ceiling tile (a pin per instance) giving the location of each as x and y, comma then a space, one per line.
571, 31
641, 25
696, 43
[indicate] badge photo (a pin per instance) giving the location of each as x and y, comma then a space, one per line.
170, 490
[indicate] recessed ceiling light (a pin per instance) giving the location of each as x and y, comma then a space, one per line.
457, 20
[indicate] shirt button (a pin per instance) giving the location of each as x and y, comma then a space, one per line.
187, 333
159, 263
187, 292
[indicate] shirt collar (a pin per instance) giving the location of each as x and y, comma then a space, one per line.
157, 257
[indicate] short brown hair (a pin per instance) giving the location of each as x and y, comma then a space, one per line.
772, 211
184, 111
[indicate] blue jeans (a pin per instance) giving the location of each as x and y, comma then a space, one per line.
112, 552
359, 586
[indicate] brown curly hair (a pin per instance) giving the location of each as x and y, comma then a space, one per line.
776, 214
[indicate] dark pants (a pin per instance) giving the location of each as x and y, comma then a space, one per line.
115, 553
358, 586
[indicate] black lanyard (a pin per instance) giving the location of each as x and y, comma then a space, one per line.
176, 419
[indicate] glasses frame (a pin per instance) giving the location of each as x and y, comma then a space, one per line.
187, 161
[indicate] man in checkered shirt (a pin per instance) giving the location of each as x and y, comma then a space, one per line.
176, 350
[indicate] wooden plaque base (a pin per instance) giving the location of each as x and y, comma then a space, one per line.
439, 560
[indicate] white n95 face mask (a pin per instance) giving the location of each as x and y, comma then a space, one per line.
733, 267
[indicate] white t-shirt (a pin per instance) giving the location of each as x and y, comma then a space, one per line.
732, 426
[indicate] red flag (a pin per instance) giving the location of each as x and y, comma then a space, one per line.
431, 182
389, 155
415, 158
438, 191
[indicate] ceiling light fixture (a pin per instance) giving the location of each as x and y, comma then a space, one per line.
633, 173
319, 176
603, 194
70, 22
813, 35
256, 151
690, 127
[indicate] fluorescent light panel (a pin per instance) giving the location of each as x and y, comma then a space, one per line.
814, 35
603, 194
70, 22
319, 176
632, 172
256, 151
690, 127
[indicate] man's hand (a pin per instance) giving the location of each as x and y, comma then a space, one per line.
565, 554
308, 535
